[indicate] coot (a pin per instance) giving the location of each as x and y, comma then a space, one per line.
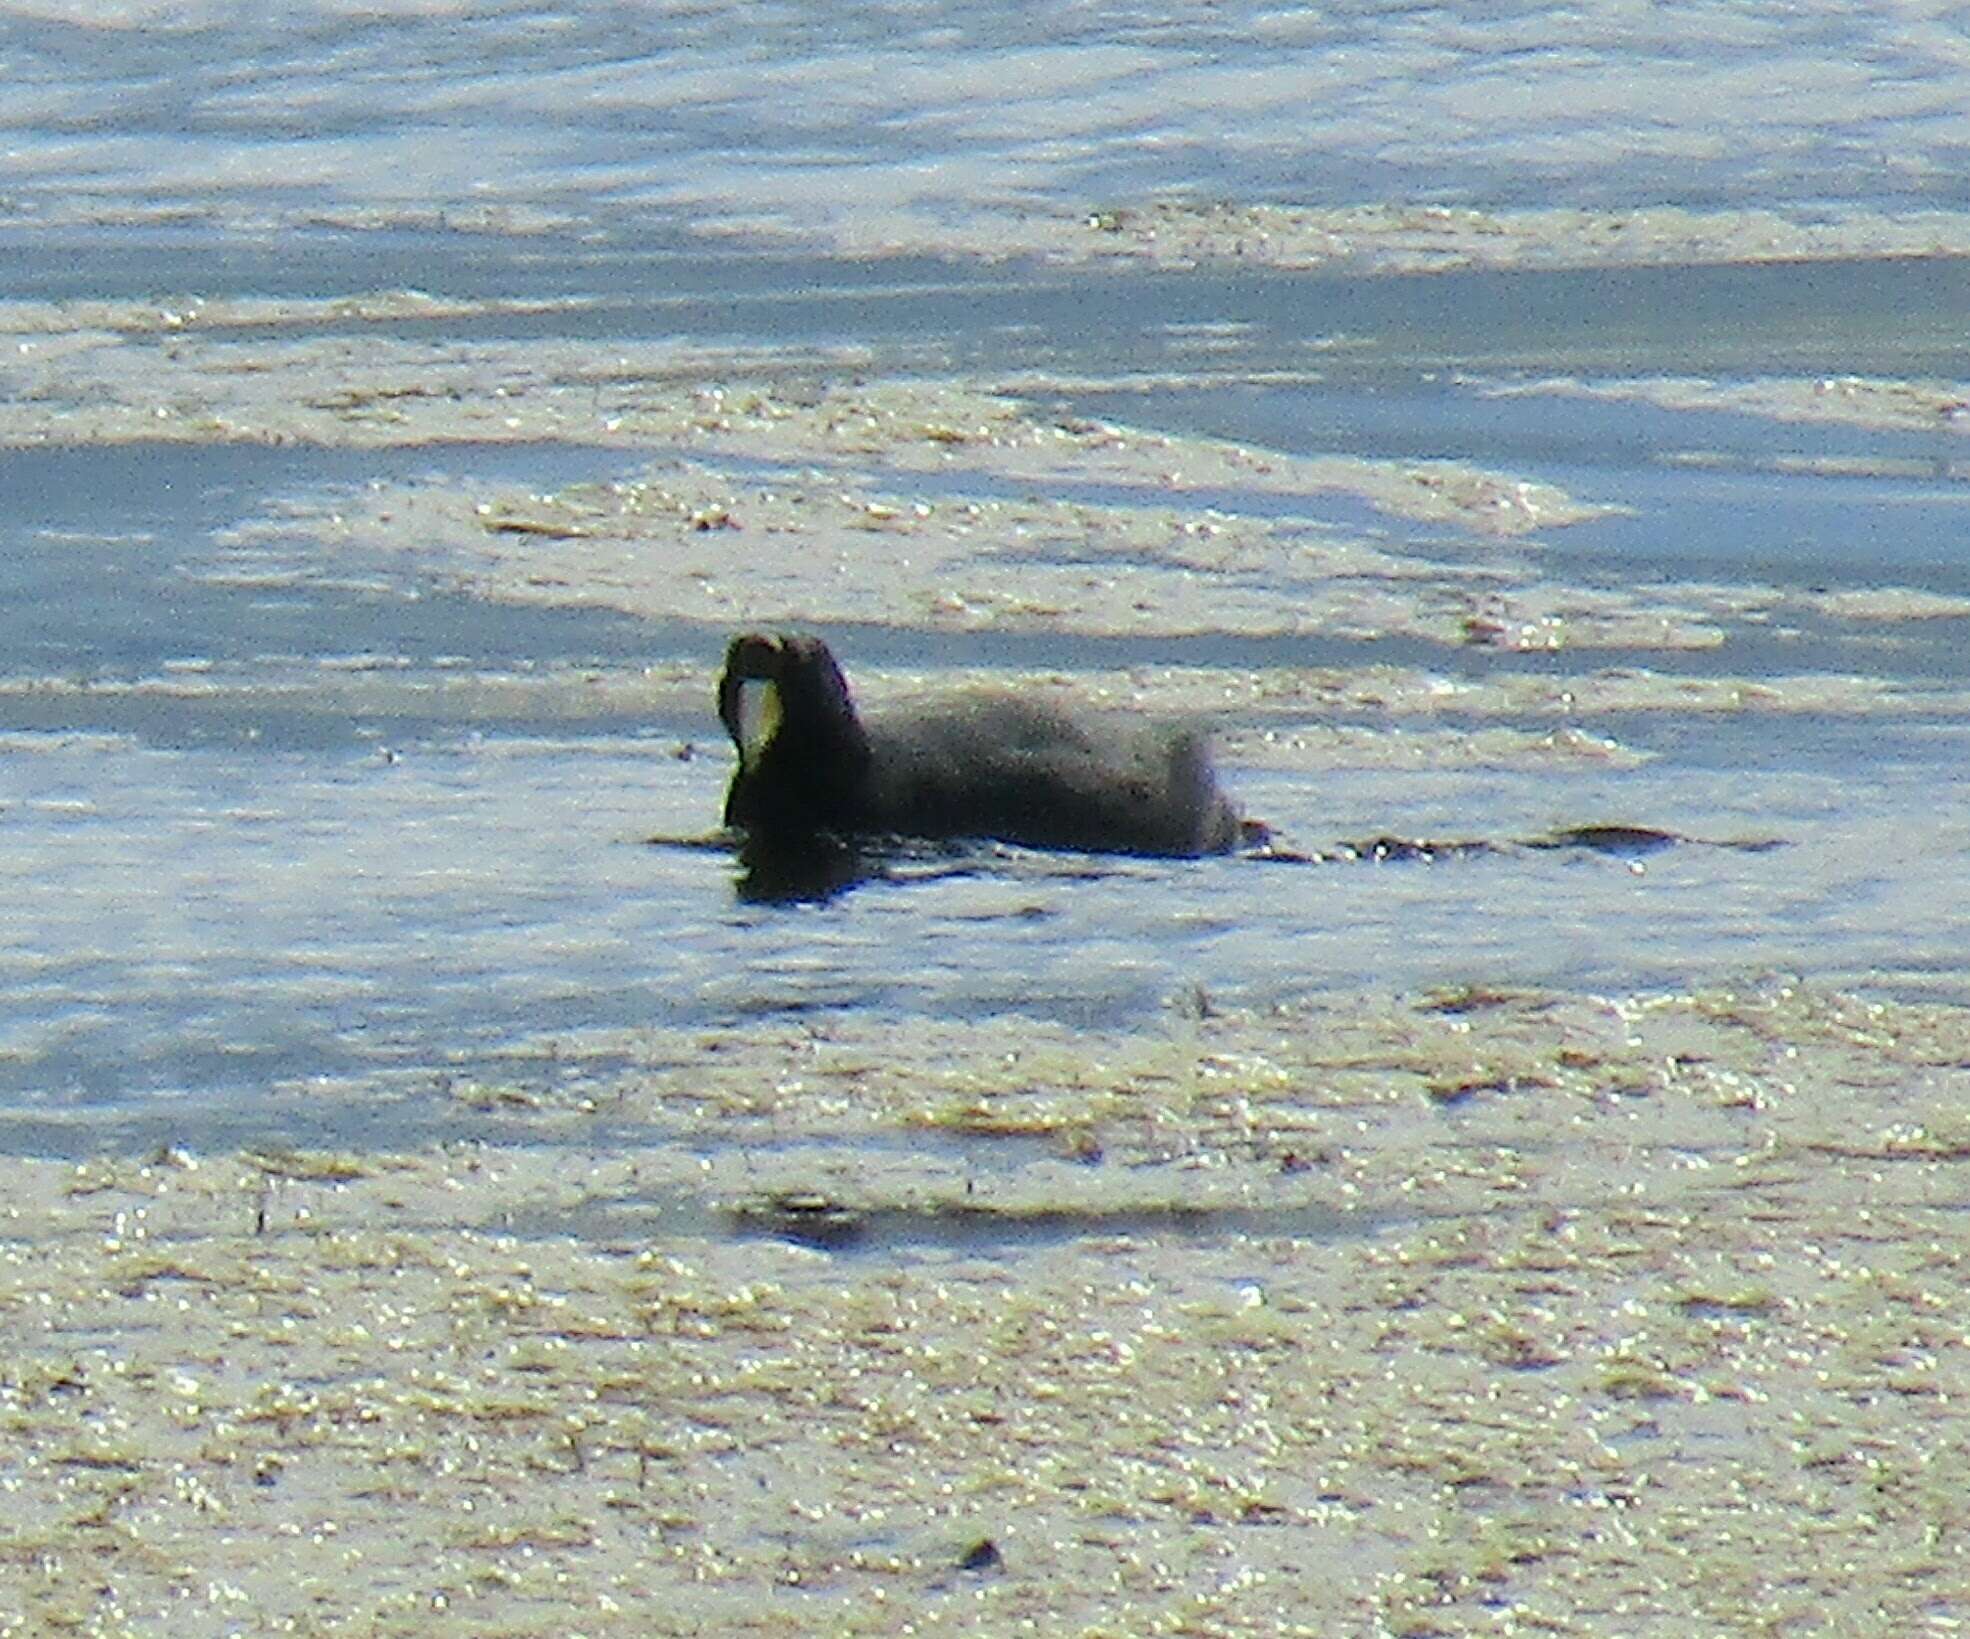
988, 765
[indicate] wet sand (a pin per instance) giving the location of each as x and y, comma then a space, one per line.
1410, 1315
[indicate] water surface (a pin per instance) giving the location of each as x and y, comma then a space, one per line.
286, 810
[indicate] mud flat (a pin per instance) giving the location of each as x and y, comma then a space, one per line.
1414, 1315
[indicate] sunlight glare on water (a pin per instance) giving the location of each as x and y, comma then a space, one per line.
863, 117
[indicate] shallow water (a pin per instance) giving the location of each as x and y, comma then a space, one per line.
260, 838
210, 911
292, 801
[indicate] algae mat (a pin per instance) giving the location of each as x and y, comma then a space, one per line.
1468, 1312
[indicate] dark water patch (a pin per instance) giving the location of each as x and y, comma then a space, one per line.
140, 264
179, 489
1907, 745
275, 722
196, 1123
1899, 317
1434, 416
124, 589
1792, 531
1894, 316
1788, 530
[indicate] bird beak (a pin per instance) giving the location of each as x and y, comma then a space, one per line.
759, 718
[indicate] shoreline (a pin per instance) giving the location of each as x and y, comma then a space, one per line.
1609, 1299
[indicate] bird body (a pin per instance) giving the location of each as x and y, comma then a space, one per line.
977, 765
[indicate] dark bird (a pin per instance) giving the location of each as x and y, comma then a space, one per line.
975, 765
